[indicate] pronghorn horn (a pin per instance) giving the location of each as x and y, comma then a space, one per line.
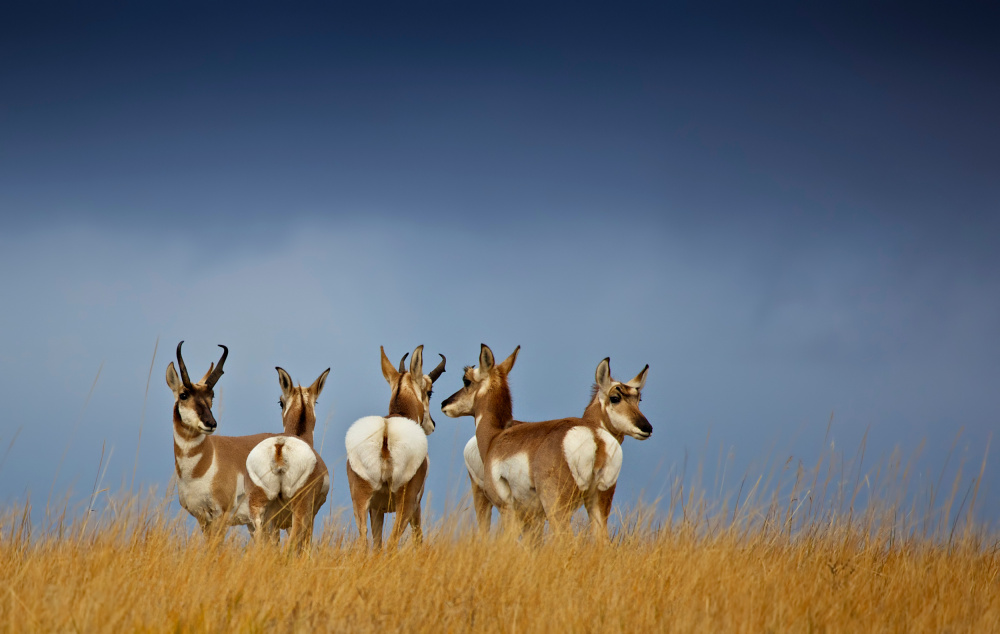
216, 374
184, 371
402, 363
438, 371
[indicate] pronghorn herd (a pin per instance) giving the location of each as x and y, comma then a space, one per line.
531, 472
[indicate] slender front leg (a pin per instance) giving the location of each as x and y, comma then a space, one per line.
483, 507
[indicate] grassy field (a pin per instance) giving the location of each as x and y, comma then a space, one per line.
760, 568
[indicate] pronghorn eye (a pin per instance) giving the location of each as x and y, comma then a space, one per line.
466, 382
615, 399
281, 403
183, 396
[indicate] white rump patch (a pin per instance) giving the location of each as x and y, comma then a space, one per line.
580, 449
407, 444
512, 481
608, 474
289, 475
474, 462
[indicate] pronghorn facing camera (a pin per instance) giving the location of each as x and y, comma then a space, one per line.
549, 468
212, 479
291, 479
387, 455
613, 406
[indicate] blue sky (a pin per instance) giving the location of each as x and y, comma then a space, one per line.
785, 211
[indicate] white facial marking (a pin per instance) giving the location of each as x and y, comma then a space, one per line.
189, 417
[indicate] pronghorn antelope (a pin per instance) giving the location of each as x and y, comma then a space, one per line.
212, 479
548, 468
291, 478
613, 406
387, 456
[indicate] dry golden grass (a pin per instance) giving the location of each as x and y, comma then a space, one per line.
134, 569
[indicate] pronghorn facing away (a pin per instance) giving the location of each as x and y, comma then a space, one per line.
387, 456
613, 406
212, 479
291, 479
546, 468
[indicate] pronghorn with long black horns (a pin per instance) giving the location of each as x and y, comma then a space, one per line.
613, 406
547, 468
291, 479
212, 479
387, 455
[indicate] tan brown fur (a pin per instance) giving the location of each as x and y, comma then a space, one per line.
410, 398
296, 515
213, 503
487, 397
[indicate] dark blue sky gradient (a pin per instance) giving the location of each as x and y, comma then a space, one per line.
786, 210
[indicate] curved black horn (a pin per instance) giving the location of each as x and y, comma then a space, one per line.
216, 374
180, 364
402, 363
439, 370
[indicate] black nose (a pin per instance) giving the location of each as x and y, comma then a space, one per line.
644, 426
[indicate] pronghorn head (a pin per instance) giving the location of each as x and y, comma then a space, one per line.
411, 390
193, 401
619, 403
484, 388
298, 404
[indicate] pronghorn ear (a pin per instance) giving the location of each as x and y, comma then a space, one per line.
318, 384
508, 363
485, 358
284, 380
173, 381
603, 375
211, 367
388, 371
417, 365
640, 379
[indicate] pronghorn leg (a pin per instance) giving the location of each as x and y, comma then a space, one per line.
598, 518
533, 528
378, 521
361, 497
408, 506
604, 500
511, 522
557, 511
300, 535
483, 507
418, 533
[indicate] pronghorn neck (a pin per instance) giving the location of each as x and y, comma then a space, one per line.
493, 414
190, 448
405, 404
595, 416
299, 418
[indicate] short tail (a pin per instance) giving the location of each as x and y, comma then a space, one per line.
279, 465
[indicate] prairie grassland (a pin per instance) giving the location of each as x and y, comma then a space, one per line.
756, 569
